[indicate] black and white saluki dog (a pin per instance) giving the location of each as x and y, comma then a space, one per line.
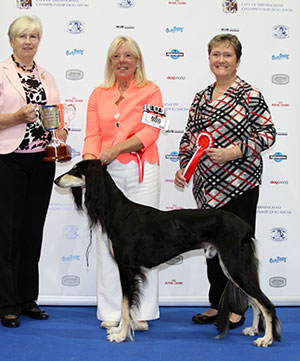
142, 236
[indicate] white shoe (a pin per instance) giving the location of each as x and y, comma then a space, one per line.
109, 324
140, 326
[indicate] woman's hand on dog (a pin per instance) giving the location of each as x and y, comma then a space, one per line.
108, 155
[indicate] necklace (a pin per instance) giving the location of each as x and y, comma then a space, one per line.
21, 66
119, 100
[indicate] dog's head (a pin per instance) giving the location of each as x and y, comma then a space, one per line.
87, 174
75, 177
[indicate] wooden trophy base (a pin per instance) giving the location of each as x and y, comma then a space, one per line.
58, 153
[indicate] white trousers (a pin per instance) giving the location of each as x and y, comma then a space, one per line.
109, 293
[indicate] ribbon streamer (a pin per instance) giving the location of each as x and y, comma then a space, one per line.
204, 141
140, 162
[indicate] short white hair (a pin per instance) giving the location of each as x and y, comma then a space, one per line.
25, 23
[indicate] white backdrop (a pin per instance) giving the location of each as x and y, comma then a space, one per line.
173, 36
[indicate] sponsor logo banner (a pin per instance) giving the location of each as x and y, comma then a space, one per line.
279, 234
75, 27
70, 281
280, 79
280, 31
74, 74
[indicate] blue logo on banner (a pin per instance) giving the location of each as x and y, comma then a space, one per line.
278, 157
71, 231
280, 31
279, 234
75, 153
74, 52
70, 258
281, 57
175, 29
173, 156
126, 3
278, 260
175, 54
75, 27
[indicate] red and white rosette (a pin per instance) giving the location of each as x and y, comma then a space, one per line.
205, 140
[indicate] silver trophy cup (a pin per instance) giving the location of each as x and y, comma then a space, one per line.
56, 150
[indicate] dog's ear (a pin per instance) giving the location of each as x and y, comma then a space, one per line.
77, 195
95, 194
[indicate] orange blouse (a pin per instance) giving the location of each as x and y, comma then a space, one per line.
108, 124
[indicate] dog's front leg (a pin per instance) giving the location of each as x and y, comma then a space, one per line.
124, 330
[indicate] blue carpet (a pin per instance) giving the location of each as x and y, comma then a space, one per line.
73, 334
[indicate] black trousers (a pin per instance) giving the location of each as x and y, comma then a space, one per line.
25, 189
243, 206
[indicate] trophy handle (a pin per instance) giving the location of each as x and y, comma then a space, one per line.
67, 113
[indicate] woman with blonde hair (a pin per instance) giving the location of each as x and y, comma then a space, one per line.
116, 135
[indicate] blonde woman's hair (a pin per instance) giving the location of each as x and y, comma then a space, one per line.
25, 23
139, 74
227, 39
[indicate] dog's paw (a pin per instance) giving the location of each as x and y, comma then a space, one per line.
119, 334
250, 331
115, 337
263, 341
112, 330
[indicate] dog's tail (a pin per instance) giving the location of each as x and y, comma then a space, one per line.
233, 299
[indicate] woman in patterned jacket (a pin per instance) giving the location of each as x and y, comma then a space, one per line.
229, 173
26, 181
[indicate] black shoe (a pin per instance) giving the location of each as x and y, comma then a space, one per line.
203, 319
233, 325
36, 313
10, 322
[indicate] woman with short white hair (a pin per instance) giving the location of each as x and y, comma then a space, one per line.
26, 181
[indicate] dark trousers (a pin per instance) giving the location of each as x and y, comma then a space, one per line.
243, 206
25, 189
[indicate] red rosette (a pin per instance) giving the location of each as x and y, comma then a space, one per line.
205, 140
